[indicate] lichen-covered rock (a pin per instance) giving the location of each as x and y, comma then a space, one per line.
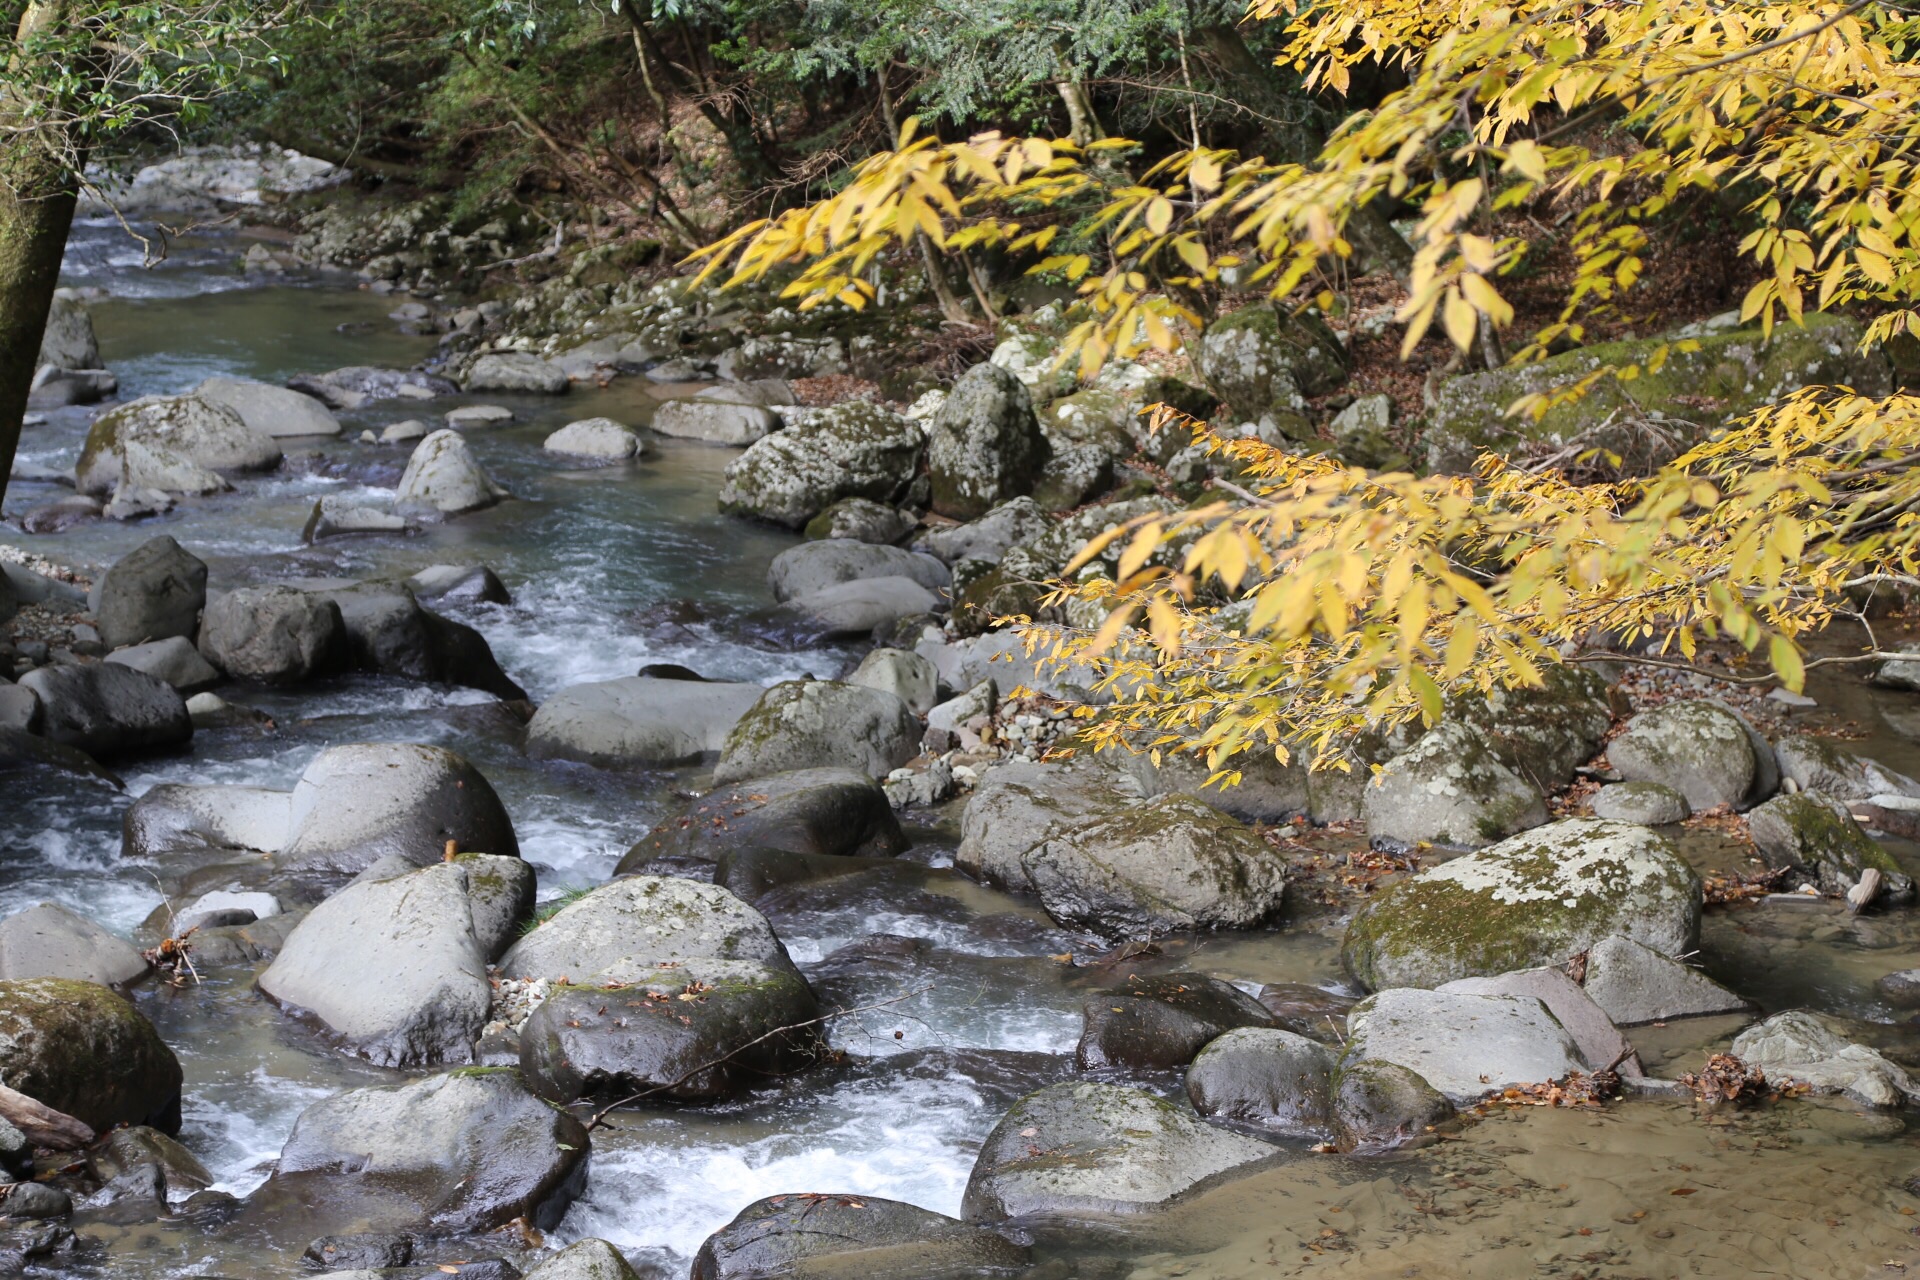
1379, 1105
1017, 806
852, 450
800, 724
1815, 764
862, 520
1263, 361
832, 812
1544, 732
1814, 835
1534, 899
738, 413
1698, 748
644, 918
595, 438
516, 371
81, 1049
638, 720
1158, 1021
1074, 475
1268, 1077
793, 1236
1016, 521
207, 435
1449, 789
1804, 1048
1731, 371
984, 444
1080, 1148
1649, 804
444, 478
1172, 863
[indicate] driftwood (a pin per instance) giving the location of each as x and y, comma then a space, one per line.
42, 1125
1861, 896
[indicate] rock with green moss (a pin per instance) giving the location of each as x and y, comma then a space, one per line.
1264, 361
1380, 1105
1034, 359
1546, 731
1816, 764
984, 444
1017, 806
1463, 1044
1449, 789
1533, 899
1699, 748
584, 1260
1650, 804
81, 1049
692, 1030
1081, 1147
1814, 836
800, 724
643, 918
1074, 475
862, 520
1157, 1021
822, 1236
207, 436
852, 450
834, 812
1169, 864
1650, 418
1268, 1077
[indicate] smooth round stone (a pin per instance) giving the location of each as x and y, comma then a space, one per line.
1649, 804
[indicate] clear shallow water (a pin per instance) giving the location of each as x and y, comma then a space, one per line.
615, 567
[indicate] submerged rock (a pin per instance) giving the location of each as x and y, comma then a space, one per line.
1161, 1020
805, 723
639, 720
800, 1235
1268, 1077
81, 1049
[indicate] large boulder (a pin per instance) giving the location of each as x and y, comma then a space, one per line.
862, 607
1699, 748
106, 709
1633, 985
274, 635
862, 520
1531, 900
516, 371
1816, 764
154, 592
1159, 1021
801, 724
388, 632
1449, 789
639, 720
1804, 1048
81, 1049
1016, 807
209, 435
1085, 1148
1172, 863
1268, 1077
811, 566
984, 444
814, 812
270, 410
49, 941
736, 414
1814, 836
1463, 1045
356, 385
396, 969
1593, 1033
1263, 361
1543, 732
852, 450
69, 341
907, 676
443, 477
457, 1154
788, 1237
644, 919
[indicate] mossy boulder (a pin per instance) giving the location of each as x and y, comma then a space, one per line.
1531, 900
1699, 748
650, 918
806, 811
984, 444
1542, 732
1815, 836
1016, 806
208, 435
800, 724
1817, 764
81, 1049
1731, 372
839, 1235
1451, 790
853, 450
1380, 1105
1264, 361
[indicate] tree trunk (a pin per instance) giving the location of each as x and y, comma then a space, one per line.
742, 142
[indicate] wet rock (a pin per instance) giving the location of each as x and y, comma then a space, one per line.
458, 584
808, 568
852, 450
397, 968
1599, 1041
819, 723
61, 515
410, 431
125, 1150
1901, 988
1016, 521
907, 676
81, 1049
338, 516
207, 435
1815, 836
644, 919
357, 385
1170, 864
1449, 789
679, 1030
226, 907
1081, 1148
69, 342
737, 414
826, 812
443, 476
57, 388
454, 1154
19, 709
173, 660
36, 1200
274, 635
1698, 748
1805, 1048
468, 417
639, 721
984, 443
1636, 985
595, 438
1161, 1020
270, 410
1648, 804
1533, 899
1263, 361
1264, 1076
19, 749
49, 941
1016, 807
107, 710
1380, 1105
389, 633
363, 1251
806, 1235
1307, 1010
154, 592
1814, 764
862, 520
584, 1260
136, 1196
516, 371
1462, 1045
174, 817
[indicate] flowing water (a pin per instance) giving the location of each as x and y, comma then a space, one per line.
614, 567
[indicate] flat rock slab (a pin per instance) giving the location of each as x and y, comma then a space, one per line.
638, 721
1463, 1045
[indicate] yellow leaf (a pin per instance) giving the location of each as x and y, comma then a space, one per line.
1159, 215
1461, 319
1787, 663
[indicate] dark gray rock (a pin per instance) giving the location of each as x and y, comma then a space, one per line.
807, 811
363, 1251
389, 633
1380, 1105
984, 443
81, 1049
154, 592
1268, 1077
801, 724
1160, 1021
1307, 1010
108, 710
807, 1235
124, 1150
1814, 836
274, 635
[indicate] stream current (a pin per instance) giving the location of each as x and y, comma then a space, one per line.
614, 567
